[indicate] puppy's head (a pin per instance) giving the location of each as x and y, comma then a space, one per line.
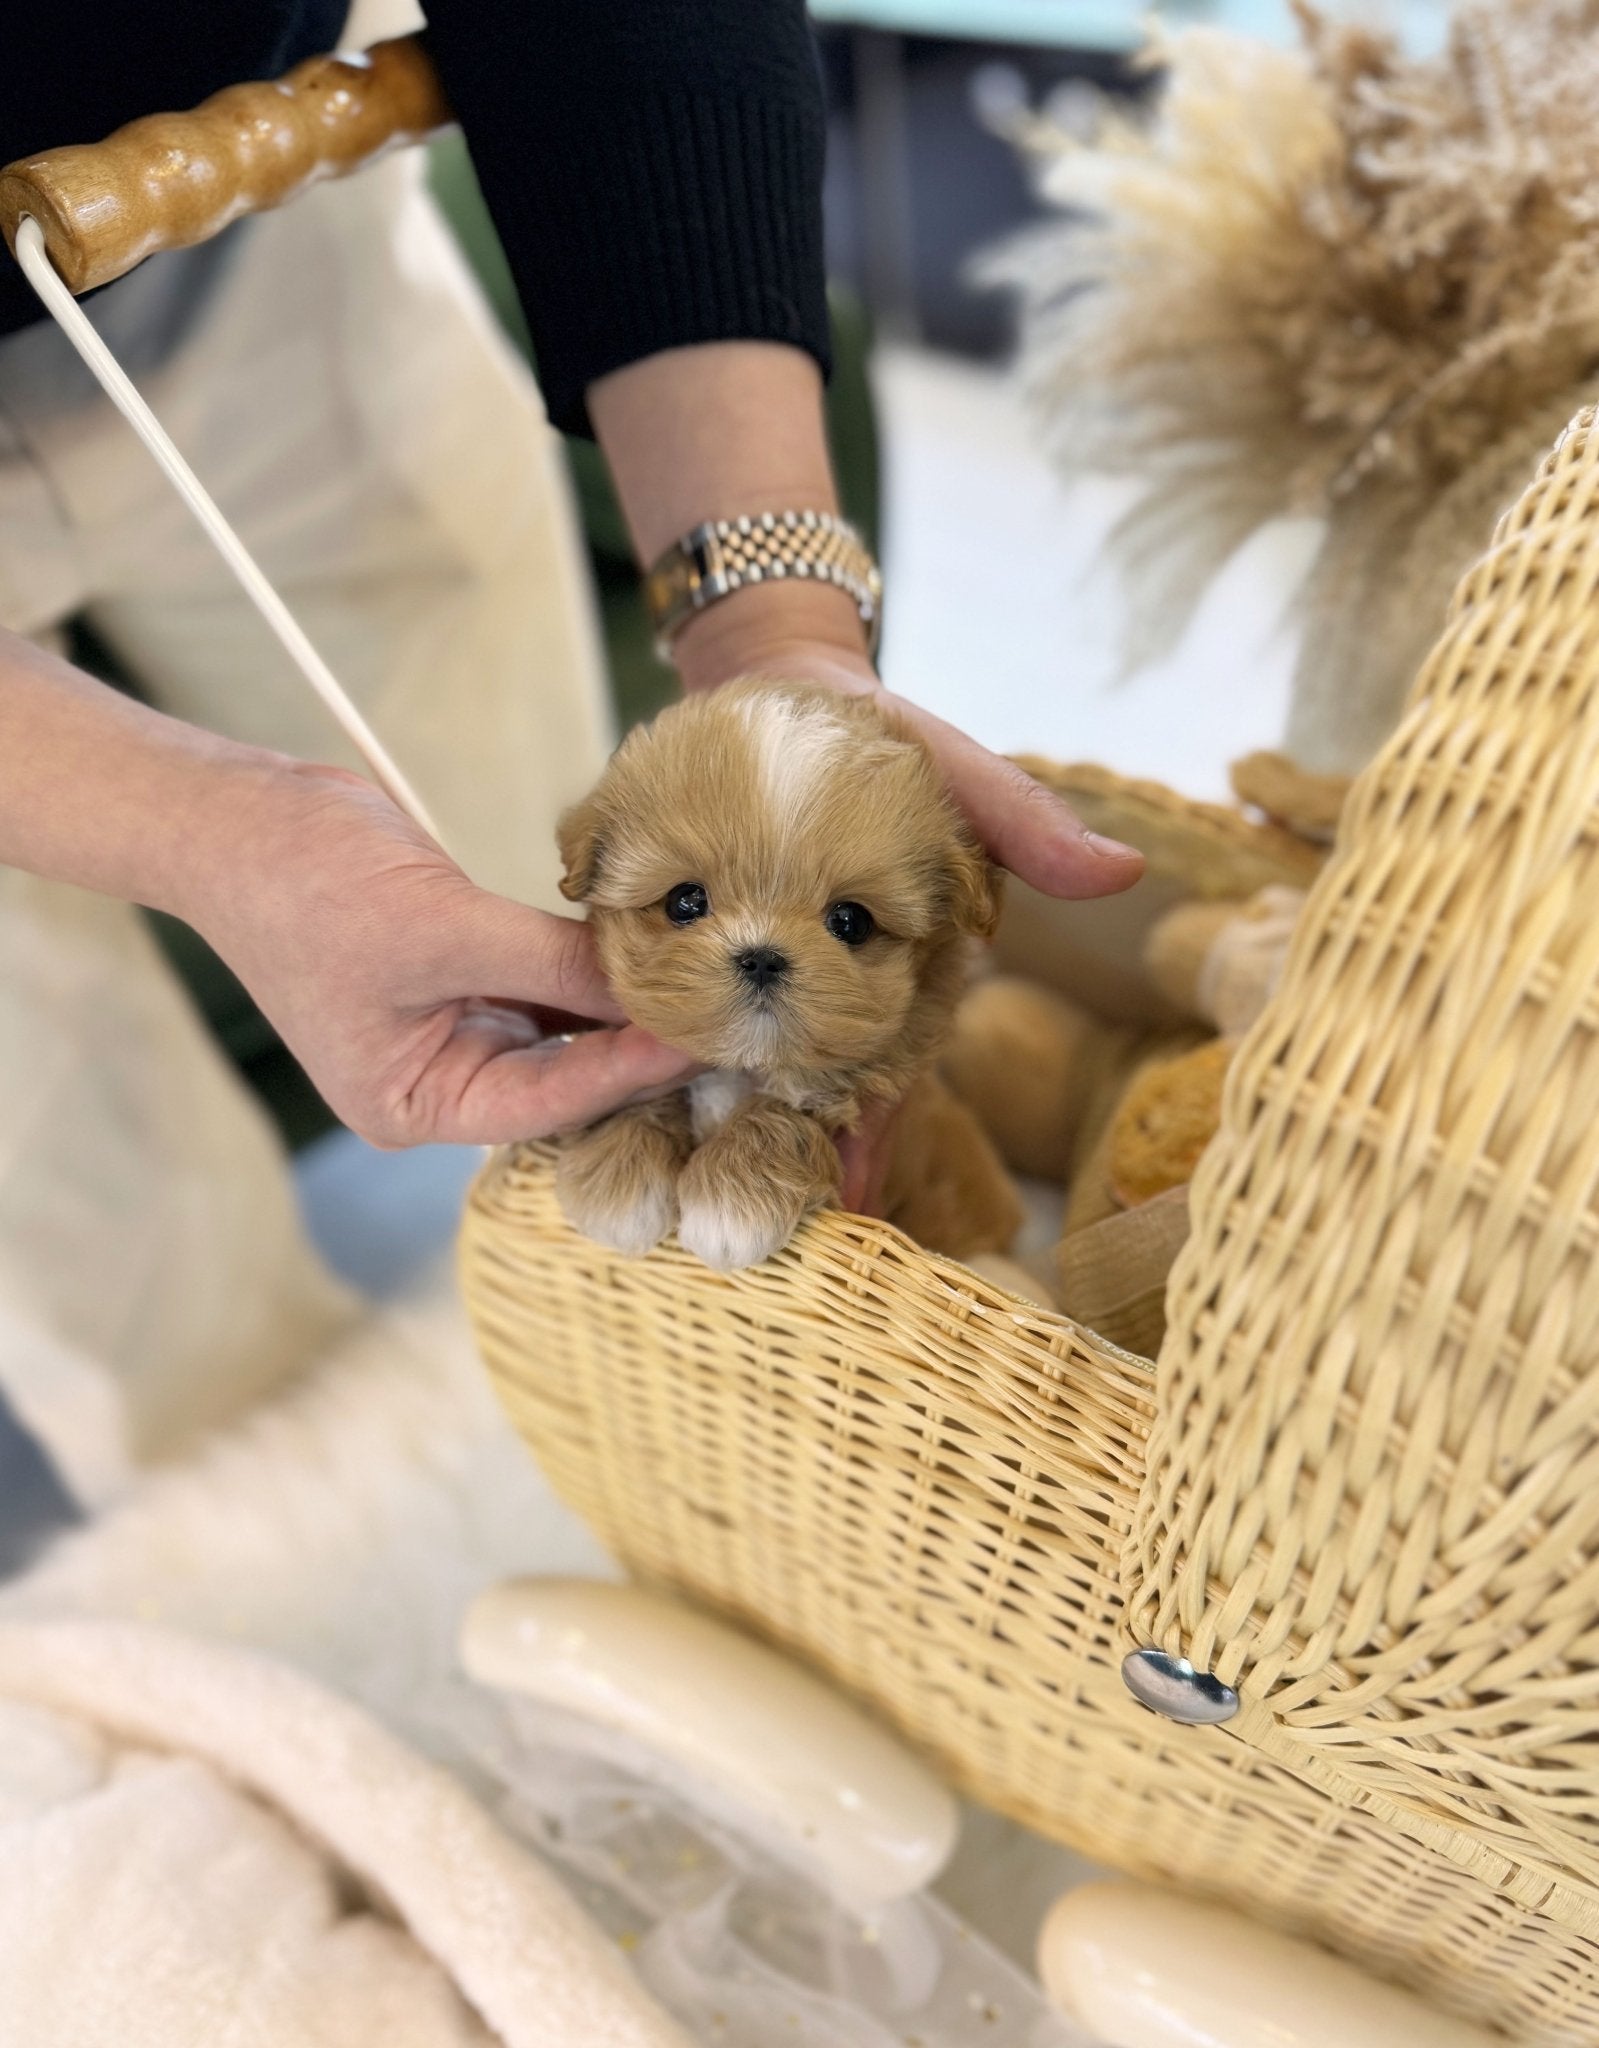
777, 881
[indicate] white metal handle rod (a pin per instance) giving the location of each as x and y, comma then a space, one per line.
108, 372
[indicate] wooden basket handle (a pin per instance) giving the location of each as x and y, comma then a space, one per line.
171, 180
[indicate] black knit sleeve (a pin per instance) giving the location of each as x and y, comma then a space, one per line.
654, 169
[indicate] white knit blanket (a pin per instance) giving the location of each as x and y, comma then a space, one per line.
203, 1844
273, 1820
343, 1525
200, 1848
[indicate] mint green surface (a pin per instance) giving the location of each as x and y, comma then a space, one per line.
1111, 25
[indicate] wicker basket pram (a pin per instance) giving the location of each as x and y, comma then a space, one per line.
1362, 1482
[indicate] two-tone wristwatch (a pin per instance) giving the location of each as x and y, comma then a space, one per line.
723, 555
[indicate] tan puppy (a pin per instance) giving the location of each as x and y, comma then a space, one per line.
779, 885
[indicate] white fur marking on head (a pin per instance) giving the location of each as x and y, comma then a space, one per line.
739, 929
795, 743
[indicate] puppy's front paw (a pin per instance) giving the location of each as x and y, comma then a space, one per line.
749, 1186
729, 1233
617, 1182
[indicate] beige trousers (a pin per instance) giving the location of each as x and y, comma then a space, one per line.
339, 386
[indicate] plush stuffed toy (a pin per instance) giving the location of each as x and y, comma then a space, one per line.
1045, 1079
1116, 1113
1221, 962
1288, 795
1164, 1122
1038, 1071
946, 1185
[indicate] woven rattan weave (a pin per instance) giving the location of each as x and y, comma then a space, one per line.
1362, 1483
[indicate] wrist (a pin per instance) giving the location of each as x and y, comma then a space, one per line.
777, 629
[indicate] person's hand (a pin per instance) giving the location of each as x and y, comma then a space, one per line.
1026, 827
806, 635
864, 1154
423, 1008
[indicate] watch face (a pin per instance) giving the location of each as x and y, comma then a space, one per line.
664, 588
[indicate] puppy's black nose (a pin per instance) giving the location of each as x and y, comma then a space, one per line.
762, 965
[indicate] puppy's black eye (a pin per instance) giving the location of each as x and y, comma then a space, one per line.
687, 902
851, 922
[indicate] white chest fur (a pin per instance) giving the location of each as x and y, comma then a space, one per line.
713, 1097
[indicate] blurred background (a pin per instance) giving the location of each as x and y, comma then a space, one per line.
999, 615
995, 615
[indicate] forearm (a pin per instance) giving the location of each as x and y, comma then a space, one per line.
103, 792
714, 431
654, 169
709, 433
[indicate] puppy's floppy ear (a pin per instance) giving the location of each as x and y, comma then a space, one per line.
976, 890
580, 835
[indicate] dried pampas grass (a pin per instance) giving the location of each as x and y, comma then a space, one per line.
1315, 272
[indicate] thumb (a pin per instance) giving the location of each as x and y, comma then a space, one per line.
494, 947
534, 1091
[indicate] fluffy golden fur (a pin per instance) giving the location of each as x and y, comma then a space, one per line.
761, 809
1315, 271
946, 1185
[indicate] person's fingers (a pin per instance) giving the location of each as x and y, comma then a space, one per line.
1025, 827
864, 1154
489, 946
492, 1093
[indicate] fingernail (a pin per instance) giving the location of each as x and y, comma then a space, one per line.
1111, 849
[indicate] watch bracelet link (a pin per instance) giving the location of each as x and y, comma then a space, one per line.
721, 556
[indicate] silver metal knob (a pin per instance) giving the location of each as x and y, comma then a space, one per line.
1171, 1686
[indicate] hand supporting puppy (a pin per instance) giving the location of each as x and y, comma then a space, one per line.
420, 1005
1025, 827
725, 427
425, 1009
